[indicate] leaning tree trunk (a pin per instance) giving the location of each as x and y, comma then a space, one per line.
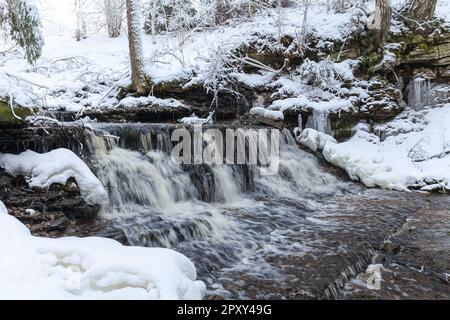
420, 10
140, 81
381, 22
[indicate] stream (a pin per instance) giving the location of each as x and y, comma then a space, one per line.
302, 233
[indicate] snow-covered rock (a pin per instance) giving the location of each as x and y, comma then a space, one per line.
412, 155
315, 140
89, 268
193, 120
57, 166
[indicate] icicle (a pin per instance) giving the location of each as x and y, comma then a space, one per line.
419, 93
319, 121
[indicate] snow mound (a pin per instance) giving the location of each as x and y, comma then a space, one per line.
57, 166
270, 114
131, 102
415, 153
89, 268
194, 120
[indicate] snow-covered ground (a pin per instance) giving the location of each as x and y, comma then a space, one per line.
89, 268
414, 154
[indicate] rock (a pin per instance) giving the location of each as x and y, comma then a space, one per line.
214, 297
55, 212
8, 120
270, 122
41, 140
428, 51
75, 209
72, 187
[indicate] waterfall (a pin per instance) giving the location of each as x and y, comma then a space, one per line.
135, 165
419, 93
221, 216
150, 179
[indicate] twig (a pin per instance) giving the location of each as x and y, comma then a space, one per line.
12, 108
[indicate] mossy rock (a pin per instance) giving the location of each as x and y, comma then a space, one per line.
7, 118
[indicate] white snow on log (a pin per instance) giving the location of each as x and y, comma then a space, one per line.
193, 119
270, 114
305, 103
89, 268
131, 102
57, 166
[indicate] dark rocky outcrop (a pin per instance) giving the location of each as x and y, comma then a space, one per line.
56, 212
41, 139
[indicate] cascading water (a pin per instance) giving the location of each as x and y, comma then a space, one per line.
250, 235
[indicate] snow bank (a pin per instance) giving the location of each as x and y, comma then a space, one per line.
89, 268
315, 140
131, 102
193, 119
253, 80
9, 89
303, 102
57, 166
415, 153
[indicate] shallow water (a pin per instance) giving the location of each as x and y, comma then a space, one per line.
302, 233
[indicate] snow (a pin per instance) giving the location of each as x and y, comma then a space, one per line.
315, 140
89, 268
193, 120
415, 153
303, 102
274, 115
317, 86
443, 10
131, 102
57, 166
253, 80
76, 75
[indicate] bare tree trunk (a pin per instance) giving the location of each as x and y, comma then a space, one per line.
84, 30
154, 17
222, 11
114, 10
381, 22
306, 4
81, 30
139, 79
78, 15
420, 10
